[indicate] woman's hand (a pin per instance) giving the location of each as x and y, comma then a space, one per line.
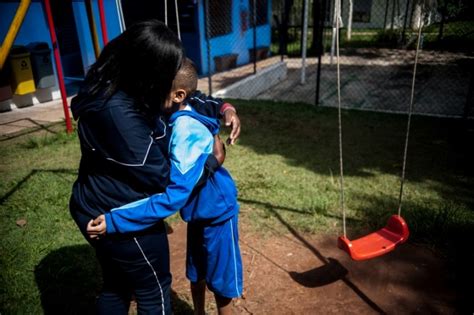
97, 227
232, 119
219, 150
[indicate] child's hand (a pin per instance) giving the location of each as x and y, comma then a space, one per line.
232, 120
97, 227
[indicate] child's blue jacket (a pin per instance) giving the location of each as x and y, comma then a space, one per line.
190, 144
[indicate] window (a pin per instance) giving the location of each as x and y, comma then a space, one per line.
261, 7
362, 9
220, 17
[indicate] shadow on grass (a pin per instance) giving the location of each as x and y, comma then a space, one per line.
69, 280
268, 205
32, 173
307, 136
30, 130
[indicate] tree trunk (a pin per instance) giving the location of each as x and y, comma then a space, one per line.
417, 15
386, 14
349, 19
393, 16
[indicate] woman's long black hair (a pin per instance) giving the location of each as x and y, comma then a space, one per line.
142, 62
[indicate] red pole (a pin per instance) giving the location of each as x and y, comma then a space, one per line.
59, 68
103, 25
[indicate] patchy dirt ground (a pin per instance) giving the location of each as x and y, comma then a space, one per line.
305, 274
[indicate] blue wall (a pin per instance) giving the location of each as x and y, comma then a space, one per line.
237, 42
85, 37
35, 27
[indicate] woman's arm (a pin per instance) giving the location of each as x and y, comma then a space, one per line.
189, 147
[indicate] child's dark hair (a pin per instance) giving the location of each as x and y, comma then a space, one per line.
187, 77
142, 62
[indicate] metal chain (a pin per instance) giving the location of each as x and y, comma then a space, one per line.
177, 19
166, 12
341, 163
410, 110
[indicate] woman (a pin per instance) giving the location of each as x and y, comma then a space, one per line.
124, 158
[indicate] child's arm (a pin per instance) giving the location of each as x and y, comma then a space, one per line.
202, 102
189, 152
219, 150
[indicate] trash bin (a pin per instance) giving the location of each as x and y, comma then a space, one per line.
22, 76
42, 66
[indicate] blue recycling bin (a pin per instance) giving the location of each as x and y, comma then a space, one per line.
42, 65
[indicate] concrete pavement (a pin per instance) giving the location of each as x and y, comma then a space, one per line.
32, 117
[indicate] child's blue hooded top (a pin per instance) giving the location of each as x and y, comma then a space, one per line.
190, 144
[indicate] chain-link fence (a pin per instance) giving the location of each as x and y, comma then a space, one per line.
258, 50
237, 45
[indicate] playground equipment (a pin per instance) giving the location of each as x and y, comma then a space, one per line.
396, 231
103, 24
176, 10
13, 30
10, 38
57, 61
92, 28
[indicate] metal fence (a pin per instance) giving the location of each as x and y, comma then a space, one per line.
269, 59
237, 46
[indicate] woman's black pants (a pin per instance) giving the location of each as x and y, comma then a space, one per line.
135, 264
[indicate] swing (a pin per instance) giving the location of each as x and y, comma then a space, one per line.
396, 231
378, 243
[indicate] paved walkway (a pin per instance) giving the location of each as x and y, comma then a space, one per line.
380, 80
38, 116
31, 118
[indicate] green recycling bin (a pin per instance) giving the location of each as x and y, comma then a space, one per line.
22, 75
42, 66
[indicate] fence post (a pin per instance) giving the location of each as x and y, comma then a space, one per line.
320, 49
305, 39
405, 22
254, 22
208, 45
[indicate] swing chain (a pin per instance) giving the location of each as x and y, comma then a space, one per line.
338, 71
410, 111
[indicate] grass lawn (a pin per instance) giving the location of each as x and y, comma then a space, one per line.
286, 168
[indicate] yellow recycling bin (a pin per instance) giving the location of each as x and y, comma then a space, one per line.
22, 74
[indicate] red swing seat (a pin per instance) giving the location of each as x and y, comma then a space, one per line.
378, 243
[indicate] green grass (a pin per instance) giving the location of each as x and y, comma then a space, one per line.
286, 169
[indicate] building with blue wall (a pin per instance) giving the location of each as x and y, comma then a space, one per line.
230, 35
230, 26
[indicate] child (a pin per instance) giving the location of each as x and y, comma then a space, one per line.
211, 209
